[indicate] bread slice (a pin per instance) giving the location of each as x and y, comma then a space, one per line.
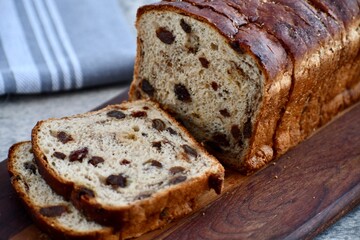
249, 79
50, 211
129, 165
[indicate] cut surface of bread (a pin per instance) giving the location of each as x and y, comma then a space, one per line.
204, 82
245, 82
129, 165
50, 211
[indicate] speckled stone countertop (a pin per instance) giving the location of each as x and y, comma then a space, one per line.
18, 114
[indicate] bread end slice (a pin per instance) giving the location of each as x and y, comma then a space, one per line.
54, 215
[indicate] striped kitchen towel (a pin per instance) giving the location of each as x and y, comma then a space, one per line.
55, 45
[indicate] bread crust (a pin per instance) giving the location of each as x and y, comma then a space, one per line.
48, 225
317, 45
144, 215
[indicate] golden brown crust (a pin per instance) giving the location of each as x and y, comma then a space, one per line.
144, 215
341, 10
48, 225
322, 81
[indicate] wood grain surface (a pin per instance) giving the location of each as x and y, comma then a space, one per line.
297, 196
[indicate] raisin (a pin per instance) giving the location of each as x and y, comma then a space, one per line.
204, 62
189, 150
64, 137
85, 193
154, 163
146, 108
156, 145
213, 146
59, 155
30, 166
214, 86
182, 93
147, 88
214, 46
225, 112
171, 131
158, 124
96, 160
116, 114
176, 169
116, 180
53, 211
221, 139
235, 131
125, 162
215, 182
247, 128
177, 179
139, 114
78, 155
186, 27
165, 36
192, 50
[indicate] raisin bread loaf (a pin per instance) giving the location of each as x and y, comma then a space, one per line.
249, 79
53, 214
130, 166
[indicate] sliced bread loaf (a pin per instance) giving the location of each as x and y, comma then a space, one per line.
249, 79
129, 165
50, 211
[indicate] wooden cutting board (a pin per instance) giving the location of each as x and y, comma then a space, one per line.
297, 196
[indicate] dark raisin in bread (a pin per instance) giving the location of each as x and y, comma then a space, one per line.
130, 165
250, 79
50, 211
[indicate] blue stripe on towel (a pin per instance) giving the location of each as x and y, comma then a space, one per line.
56, 45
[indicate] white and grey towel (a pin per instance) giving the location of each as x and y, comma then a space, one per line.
55, 45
